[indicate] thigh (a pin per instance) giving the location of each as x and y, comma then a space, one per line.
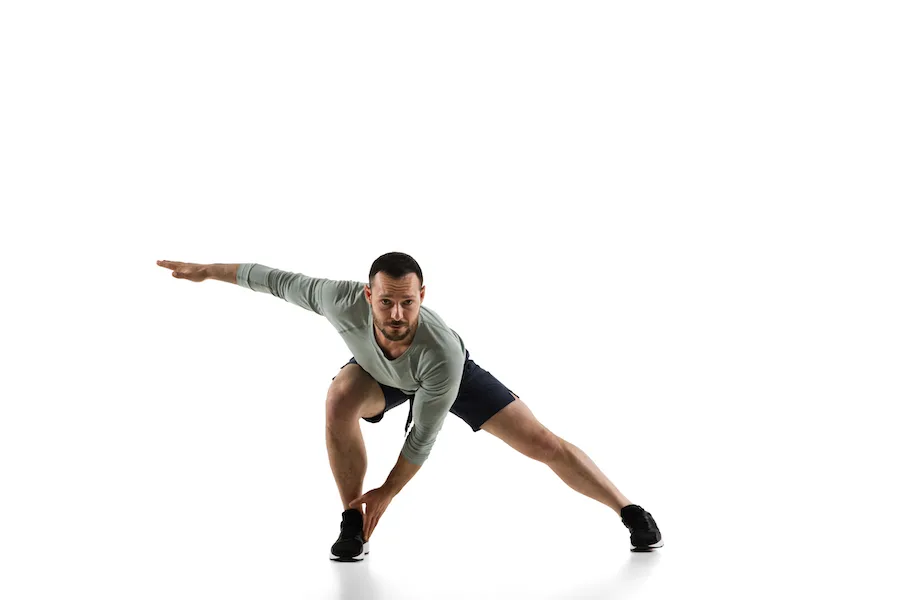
377, 398
480, 397
359, 390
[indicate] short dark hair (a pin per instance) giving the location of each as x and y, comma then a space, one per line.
395, 264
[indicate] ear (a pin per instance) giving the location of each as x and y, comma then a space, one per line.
422, 294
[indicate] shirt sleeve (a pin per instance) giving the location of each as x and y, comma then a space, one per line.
436, 394
317, 294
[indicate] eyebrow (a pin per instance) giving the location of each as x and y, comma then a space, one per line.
386, 296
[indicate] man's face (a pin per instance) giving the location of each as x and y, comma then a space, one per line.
395, 302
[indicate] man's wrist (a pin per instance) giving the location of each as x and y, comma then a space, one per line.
393, 483
402, 472
222, 272
391, 488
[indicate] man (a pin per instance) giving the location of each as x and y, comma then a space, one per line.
404, 351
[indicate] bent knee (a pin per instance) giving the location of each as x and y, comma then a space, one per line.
340, 404
347, 403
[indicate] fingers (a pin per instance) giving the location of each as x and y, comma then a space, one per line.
367, 522
371, 522
180, 270
373, 526
358, 504
371, 515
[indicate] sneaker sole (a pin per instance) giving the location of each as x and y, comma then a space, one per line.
356, 558
649, 548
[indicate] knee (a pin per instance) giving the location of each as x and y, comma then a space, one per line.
546, 447
340, 405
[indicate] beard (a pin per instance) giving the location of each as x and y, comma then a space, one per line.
394, 335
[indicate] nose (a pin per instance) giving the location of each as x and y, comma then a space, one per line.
397, 314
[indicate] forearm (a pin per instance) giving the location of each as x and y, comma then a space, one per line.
401, 474
222, 272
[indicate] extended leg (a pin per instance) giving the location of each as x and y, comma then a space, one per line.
516, 425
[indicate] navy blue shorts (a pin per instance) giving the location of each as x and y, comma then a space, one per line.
480, 396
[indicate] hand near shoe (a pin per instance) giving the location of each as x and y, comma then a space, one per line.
376, 501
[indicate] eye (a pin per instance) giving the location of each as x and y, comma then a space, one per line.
409, 301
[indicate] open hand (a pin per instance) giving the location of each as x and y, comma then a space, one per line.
376, 502
183, 270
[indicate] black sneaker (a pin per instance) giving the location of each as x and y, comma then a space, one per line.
350, 546
645, 535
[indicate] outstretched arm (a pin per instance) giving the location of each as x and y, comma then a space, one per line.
317, 294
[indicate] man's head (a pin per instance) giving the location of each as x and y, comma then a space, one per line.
395, 292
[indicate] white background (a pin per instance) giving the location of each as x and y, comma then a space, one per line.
668, 227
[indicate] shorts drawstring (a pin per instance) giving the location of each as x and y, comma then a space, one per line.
409, 418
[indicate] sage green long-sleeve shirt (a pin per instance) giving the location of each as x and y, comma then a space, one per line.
430, 369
